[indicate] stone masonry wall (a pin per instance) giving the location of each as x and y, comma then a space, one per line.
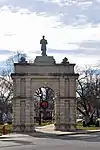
28, 78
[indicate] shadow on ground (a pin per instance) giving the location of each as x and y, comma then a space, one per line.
88, 137
17, 142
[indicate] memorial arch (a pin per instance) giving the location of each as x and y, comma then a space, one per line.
28, 77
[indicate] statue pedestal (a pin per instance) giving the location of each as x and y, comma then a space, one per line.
44, 60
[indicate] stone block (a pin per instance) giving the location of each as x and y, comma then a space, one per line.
44, 60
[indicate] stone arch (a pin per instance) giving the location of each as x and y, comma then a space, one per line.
54, 85
51, 99
37, 83
44, 72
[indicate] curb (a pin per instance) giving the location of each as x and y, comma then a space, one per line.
51, 134
65, 134
86, 132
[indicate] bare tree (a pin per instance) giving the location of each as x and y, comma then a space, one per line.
44, 94
6, 84
88, 92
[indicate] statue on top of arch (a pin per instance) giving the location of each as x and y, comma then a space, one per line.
43, 43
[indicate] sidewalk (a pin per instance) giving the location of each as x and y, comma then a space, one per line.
49, 129
13, 135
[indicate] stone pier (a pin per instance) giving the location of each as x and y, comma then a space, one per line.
44, 72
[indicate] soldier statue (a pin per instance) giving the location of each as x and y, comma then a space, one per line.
43, 43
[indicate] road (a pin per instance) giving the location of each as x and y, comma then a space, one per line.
69, 142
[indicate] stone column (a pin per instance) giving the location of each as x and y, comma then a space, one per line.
67, 114
60, 120
66, 105
32, 126
54, 85
72, 115
72, 104
22, 104
67, 102
62, 114
29, 120
57, 113
22, 115
16, 105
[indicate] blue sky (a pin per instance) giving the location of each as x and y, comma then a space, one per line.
72, 28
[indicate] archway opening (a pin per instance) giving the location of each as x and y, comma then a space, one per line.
44, 106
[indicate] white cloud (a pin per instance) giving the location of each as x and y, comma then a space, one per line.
2, 1
27, 29
21, 29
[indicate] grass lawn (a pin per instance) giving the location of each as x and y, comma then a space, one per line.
79, 126
43, 123
8, 128
92, 127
